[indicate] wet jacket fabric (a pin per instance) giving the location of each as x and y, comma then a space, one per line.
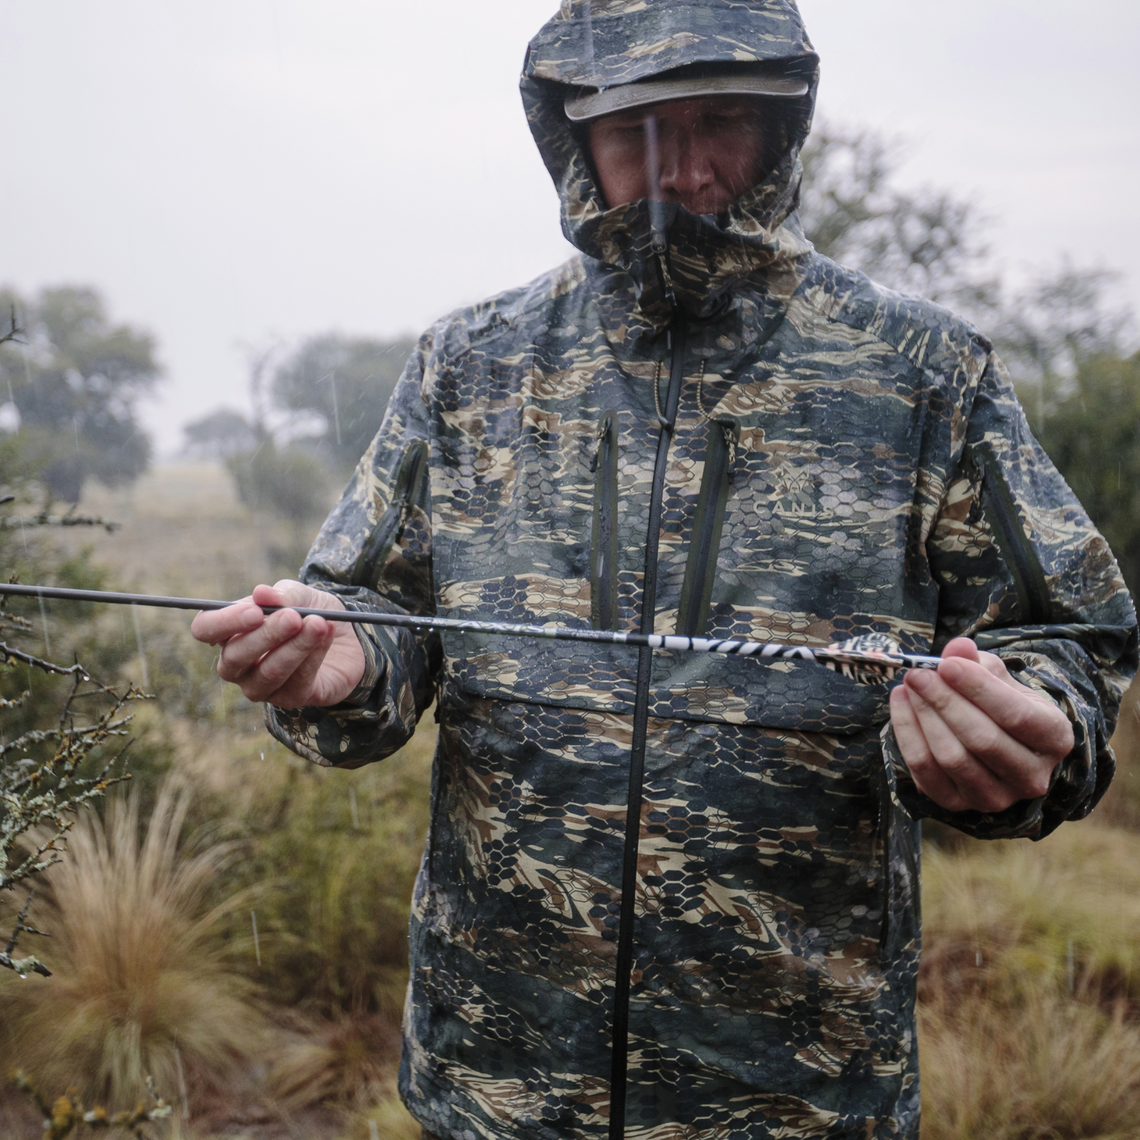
829, 459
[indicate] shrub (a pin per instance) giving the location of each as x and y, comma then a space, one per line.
287, 481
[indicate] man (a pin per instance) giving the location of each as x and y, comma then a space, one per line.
668, 894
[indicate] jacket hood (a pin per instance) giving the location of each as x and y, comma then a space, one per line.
593, 45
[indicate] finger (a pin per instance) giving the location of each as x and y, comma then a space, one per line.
275, 671
966, 649
289, 592
962, 647
976, 733
302, 687
976, 782
928, 777
242, 653
216, 626
1023, 715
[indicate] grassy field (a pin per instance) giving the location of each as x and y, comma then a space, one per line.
236, 928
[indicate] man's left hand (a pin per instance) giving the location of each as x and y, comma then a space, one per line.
975, 738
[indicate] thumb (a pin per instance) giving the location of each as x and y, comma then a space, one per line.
962, 647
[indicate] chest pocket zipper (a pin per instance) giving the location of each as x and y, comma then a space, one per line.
386, 533
708, 526
604, 537
1000, 512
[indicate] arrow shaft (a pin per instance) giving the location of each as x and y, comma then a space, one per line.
767, 650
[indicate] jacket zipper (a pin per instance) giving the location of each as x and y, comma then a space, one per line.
624, 958
1017, 552
386, 533
604, 539
708, 525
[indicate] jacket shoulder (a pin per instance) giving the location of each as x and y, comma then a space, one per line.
508, 313
932, 338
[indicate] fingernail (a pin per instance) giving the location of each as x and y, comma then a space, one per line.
252, 618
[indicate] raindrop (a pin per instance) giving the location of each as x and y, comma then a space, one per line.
256, 942
182, 1083
43, 618
142, 652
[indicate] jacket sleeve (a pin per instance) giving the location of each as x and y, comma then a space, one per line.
1021, 569
374, 552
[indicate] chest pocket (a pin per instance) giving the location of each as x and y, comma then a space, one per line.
708, 529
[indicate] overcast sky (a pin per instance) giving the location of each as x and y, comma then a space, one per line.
231, 172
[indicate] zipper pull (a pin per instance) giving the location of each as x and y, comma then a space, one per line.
730, 444
666, 276
599, 435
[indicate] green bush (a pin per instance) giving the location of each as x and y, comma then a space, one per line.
335, 854
286, 481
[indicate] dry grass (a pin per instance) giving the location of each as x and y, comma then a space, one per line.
140, 986
1121, 806
1045, 1068
1024, 906
1028, 1014
392, 1121
184, 531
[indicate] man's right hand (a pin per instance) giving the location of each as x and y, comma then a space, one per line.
281, 658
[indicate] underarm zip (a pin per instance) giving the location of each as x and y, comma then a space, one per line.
1000, 511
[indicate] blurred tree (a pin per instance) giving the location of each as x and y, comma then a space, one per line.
288, 481
1052, 327
220, 434
1093, 436
925, 242
344, 383
75, 381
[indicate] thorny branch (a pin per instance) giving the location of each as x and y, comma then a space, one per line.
23, 966
41, 797
67, 1113
11, 654
44, 519
13, 333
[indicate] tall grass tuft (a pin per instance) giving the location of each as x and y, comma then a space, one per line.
140, 985
1033, 911
1044, 1068
1028, 996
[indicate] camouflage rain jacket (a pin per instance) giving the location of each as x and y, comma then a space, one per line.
835, 459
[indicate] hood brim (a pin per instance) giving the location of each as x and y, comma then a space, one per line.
585, 108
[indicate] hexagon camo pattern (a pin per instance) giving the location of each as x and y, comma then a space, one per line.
776, 928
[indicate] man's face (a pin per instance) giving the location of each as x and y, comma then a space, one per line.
709, 151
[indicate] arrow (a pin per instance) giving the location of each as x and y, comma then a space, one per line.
876, 653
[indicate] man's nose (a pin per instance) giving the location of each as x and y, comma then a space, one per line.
686, 165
